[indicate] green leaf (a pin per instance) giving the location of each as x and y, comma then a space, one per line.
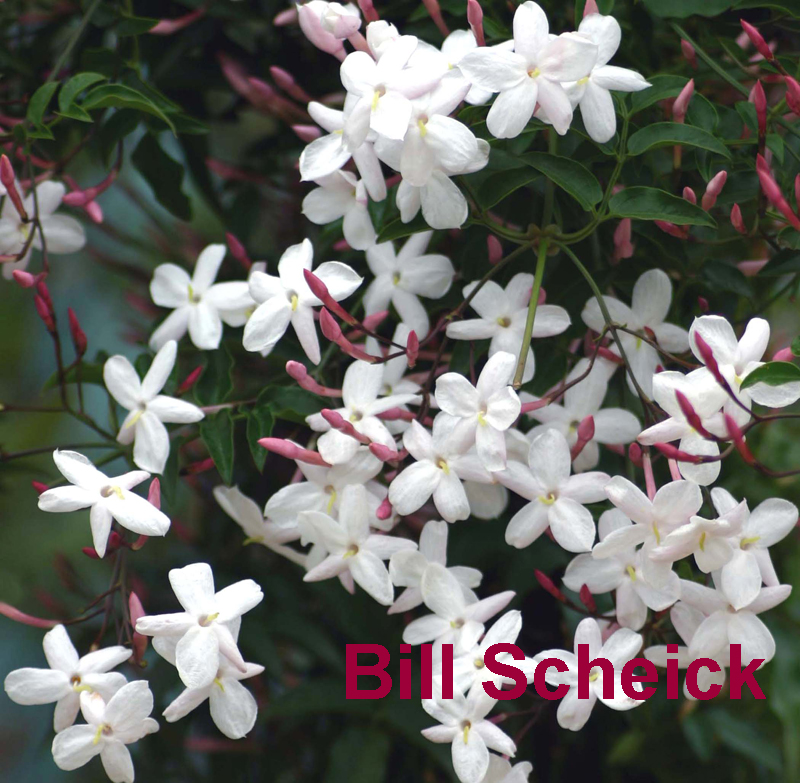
291, 403
773, 374
663, 134
217, 433
90, 372
569, 175
397, 229
164, 175
743, 737
74, 87
259, 425
494, 189
39, 102
726, 277
796, 346
680, 9
662, 86
653, 204
701, 112
134, 25
119, 125
359, 755
216, 381
119, 96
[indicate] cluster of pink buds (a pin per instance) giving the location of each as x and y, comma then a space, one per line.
773, 192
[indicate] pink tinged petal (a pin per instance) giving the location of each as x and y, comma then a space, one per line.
549, 459
100, 520
205, 326
567, 58
207, 266
749, 631
267, 324
493, 69
159, 370
610, 77
122, 382
233, 708
555, 102
513, 109
170, 286
197, 657
719, 335
75, 746
527, 524
173, 327
412, 488
443, 204
137, 515
600, 576
530, 31
598, 112
37, 686
741, 579
630, 499
572, 525
193, 586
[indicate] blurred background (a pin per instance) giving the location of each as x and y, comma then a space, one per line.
239, 175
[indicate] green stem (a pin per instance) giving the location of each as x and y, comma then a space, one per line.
532, 305
72, 41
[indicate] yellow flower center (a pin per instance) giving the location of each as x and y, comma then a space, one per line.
351, 552
478, 662
253, 540
442, 465
295, 302
703, 543
746, 542
331, 500
219, 684
534, 73
423, 130
107, 492
583, 81
505, 322
208, 619
548, 499
631, 573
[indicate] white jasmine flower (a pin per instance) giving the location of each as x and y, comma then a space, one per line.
501, 771
108, 498
585, 398
199, 304
363, 383
750, 563
288, 299
109, 728
686, 620
652, 296
233, 708
408, 567
401, 278
147, 409
621, 572
707, 397
463, 723
454, 620
62, 233
67, 677
204, 631
441, 464
486, 410
531, 74
725, 625
322, 489
352, 546
592, 92
244, 511
673, 505
341, 195
329, 153
503, 313
556, 497
738, 358
619, 648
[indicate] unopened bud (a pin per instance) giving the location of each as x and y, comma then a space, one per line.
736, 219
691, 414
154, 493
237, 250
757, 40
671, 452
475, 19
432, 7
23, 279
586, 429
190, 380
338, 422
320, 290
287, 83
368, 9
681, 105
39, 486
44, 313
759, 99
622, 239
792, 94
9, 183
44, 292
586, 598
679, 232
689, 53
735, 434
78, 335
307, 133
384, 453
547, 583
495, 249
703, 304
292, 451
590, 8
135, 611
713, 189
374, 320
384, 510
689, 195
784, 355
635, 454
773, 192
412, 348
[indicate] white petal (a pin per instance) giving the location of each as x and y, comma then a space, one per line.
413, 486
193, 586
74, 747
598, 112
512, 109
159, 370
267, 324
205, 326
170, 286
207, 266
197, 657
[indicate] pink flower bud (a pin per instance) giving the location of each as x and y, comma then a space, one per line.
475, 19
373, 321
384, 510
622, 239
94, 211
534, 405
736, 219
284, 18
412, 348
547, 583
292, 451
689, 53
605, 353
432, 7
299, 373
707, 356
397, 414
333, 332
759, 99
679, 232
23, 279
44, 313
590, 8
368, 9
757, 40
792, 94
201, 466
689, 195
307, 133
384, 453
752, 268
172, 26
587, 600
320, 290
702, 303
735, 434
39, 486
78, 335
287, 83
713, 189
542, 298
20, 617
135, 611
586, 429
671, 452
635, 454
773, 192
691, 415
190, 380
237, 250
783, 355
154, 493
681, 105
338, 422
312, 28
495, 249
